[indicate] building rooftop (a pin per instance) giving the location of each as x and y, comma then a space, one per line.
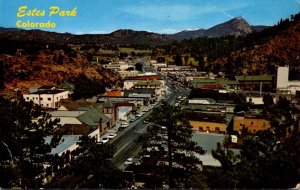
140, 91
92, 117
123, 109
223, 81
76, 105
113, 93
65, 142
213, 118
246, 78
46, 87
74, 129
212, 86
108, 104
202, 81
145, 77
65, 113
210, 100
139, 95
48, 92
120, 104
149, 83
208, 141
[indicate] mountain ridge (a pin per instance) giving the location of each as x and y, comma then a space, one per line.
237, 26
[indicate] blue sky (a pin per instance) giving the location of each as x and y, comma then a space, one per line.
162, 16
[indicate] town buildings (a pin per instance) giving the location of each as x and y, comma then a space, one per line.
283, 84
47, 97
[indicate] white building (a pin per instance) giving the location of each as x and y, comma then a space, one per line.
283, 84
120, 66
202, 101
125, 73
123, 113
129, 84
47, 98
158, 86
159, 65
147, 74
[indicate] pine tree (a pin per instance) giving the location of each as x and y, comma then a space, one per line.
267, 159
93, 159
169, 143
178, 60
87, 87
23, 150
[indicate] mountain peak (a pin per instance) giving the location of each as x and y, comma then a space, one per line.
236, 20
239, 18
237, 26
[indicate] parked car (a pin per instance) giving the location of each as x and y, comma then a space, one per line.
111, 135
129, 161
104, 140
124, 124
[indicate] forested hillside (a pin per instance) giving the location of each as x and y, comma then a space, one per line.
27, 64
277, 45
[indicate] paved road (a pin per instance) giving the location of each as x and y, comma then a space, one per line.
126, 141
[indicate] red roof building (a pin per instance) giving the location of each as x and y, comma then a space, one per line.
113, 93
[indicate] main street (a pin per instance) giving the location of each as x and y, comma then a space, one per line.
126, 141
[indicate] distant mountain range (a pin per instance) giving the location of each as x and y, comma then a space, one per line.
237, 27
234, 27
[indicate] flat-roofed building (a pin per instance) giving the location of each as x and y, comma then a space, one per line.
47, 98
212, 123
283, 84
251, 123
125, 74
255, 82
